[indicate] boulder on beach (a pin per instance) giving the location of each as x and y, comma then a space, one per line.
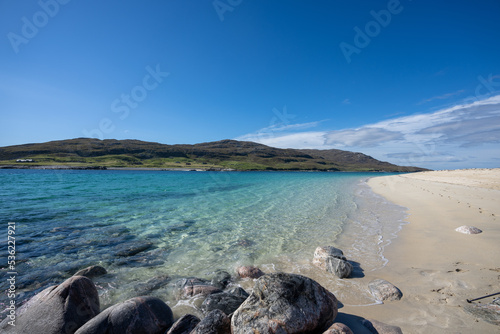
285, 303
221, 279
135, 316
338, 328
468, 230
216, 322
184, 325
192, 286
91, 271
249, 272
59, 309
383, 290
332, 260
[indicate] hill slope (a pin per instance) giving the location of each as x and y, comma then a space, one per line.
224, 154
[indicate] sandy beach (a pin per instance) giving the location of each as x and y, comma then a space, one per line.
435, 267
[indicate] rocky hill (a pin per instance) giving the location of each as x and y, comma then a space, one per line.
224, 154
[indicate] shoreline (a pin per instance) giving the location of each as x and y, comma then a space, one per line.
437, 268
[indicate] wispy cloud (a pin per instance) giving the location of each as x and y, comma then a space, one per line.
442, 97
346, 101
453, 135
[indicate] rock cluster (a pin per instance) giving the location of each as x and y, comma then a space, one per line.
279, 303
332, 260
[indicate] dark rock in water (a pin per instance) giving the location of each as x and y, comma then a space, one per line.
91, 271
338, 328
133, 248
488, 312
192, 286
140, 260
377, 327
224, 301
152, 284
184, 325
383, 290
216, 322
59, 309
249, 272
138, 315
285, 303
221, 279
240, 292
339, 267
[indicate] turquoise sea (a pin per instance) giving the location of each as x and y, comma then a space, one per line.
189, 224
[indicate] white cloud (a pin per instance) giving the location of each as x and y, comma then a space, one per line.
457, 136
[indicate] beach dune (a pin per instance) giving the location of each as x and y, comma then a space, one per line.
436, 267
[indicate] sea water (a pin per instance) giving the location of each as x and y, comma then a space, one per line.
195, 223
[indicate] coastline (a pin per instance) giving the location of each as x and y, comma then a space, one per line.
437, 268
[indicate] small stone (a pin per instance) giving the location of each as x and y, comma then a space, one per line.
338, 328
249, 272
377, 327
323, 252
383, 290
221, 279
468, 229
192, 286
184, 325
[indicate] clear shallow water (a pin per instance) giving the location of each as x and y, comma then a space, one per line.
196, 222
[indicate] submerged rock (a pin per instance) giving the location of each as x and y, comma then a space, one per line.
60, 309
137, 315
216, 322
133, 248
468, 229
383, 290
192, 286
285, 303
249, 272
221, 279
152, 284
91, 271
184, 325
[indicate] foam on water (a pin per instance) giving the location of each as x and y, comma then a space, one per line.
197, 223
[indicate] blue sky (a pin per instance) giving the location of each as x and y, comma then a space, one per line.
410, 82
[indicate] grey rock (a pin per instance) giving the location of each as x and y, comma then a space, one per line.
133, 248
285, 303
59, 309
487, 312
238, 291
338, 328
184, 325
383, 290
216, 322
339, 267
377, 327
221, 279
249, 272
323, 252
468, 229
192, 286
139, 315
224, 301
91, 271
152, 284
